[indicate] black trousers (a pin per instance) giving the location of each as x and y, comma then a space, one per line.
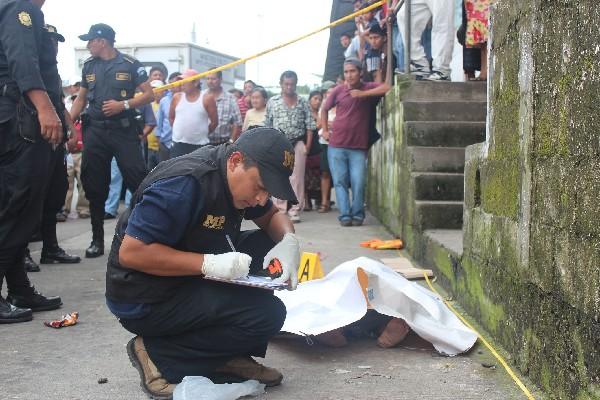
181, 149
24, 169
208, 323
164, 153
55, 196
100, 146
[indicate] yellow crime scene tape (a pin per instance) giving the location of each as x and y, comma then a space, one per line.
244, 60
485, 342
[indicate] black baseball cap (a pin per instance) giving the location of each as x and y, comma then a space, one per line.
274, 156
51, 29
99, 31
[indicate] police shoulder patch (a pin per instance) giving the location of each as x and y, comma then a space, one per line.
25, 18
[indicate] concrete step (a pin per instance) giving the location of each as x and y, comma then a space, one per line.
451, 239
439, 214
438, 186
437, 159
446, 91
444, 134
445, 110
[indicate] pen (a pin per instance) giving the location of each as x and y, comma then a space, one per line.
232, 246
230, 243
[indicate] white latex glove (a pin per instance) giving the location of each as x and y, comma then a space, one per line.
227, 265
288, 253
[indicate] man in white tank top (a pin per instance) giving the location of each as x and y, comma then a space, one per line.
193, 114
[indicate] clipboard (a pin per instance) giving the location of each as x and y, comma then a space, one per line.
261, 282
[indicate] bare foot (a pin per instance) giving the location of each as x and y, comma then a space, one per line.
395, 332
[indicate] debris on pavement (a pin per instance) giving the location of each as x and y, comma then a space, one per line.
340, 371
65, 320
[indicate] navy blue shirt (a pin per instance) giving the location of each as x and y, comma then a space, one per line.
162, 216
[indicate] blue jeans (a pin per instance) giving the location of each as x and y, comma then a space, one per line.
348, 170
116, 183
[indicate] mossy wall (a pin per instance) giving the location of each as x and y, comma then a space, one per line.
530, 269
531, 264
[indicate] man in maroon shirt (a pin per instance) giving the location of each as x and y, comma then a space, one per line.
348, 139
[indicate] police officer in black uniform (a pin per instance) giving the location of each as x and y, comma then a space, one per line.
31, 126
58, 184
109, 82
184, 224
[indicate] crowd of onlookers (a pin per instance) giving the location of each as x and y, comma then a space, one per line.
434, 24
189, 116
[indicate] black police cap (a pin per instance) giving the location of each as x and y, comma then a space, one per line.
274, 156
51, 29
99, 31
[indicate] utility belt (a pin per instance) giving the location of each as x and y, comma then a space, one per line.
132, 120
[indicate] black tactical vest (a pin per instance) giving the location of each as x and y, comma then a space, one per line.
207, 234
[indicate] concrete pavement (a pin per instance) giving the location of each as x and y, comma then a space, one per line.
43, 363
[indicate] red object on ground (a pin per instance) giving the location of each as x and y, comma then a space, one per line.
66, 320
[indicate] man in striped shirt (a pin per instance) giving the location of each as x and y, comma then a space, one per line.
290, 113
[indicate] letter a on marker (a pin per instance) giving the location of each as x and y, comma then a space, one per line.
310, 267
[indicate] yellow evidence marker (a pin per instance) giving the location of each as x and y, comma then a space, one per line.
310, 267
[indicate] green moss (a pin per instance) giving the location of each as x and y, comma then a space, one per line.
505, 104
544, 135
492, 315
444, 265
500, 188
546, 377
580, 366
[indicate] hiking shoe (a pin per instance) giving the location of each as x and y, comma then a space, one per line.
418, 69
152, 382
346, 222
248, 368
437, 76
357, 222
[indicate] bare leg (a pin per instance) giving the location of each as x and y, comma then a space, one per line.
325, 190
484, 66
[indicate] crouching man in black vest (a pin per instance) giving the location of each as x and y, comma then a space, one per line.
176, 232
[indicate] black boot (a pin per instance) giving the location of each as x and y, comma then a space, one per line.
96, 249
10, 314
35, 300
56, 255
30, 265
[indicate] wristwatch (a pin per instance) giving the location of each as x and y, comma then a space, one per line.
126, 104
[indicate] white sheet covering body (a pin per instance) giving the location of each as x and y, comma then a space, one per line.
337, 300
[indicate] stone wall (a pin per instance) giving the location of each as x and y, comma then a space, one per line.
530, 269
531, 264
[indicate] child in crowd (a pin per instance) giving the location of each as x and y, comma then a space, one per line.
256, 115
